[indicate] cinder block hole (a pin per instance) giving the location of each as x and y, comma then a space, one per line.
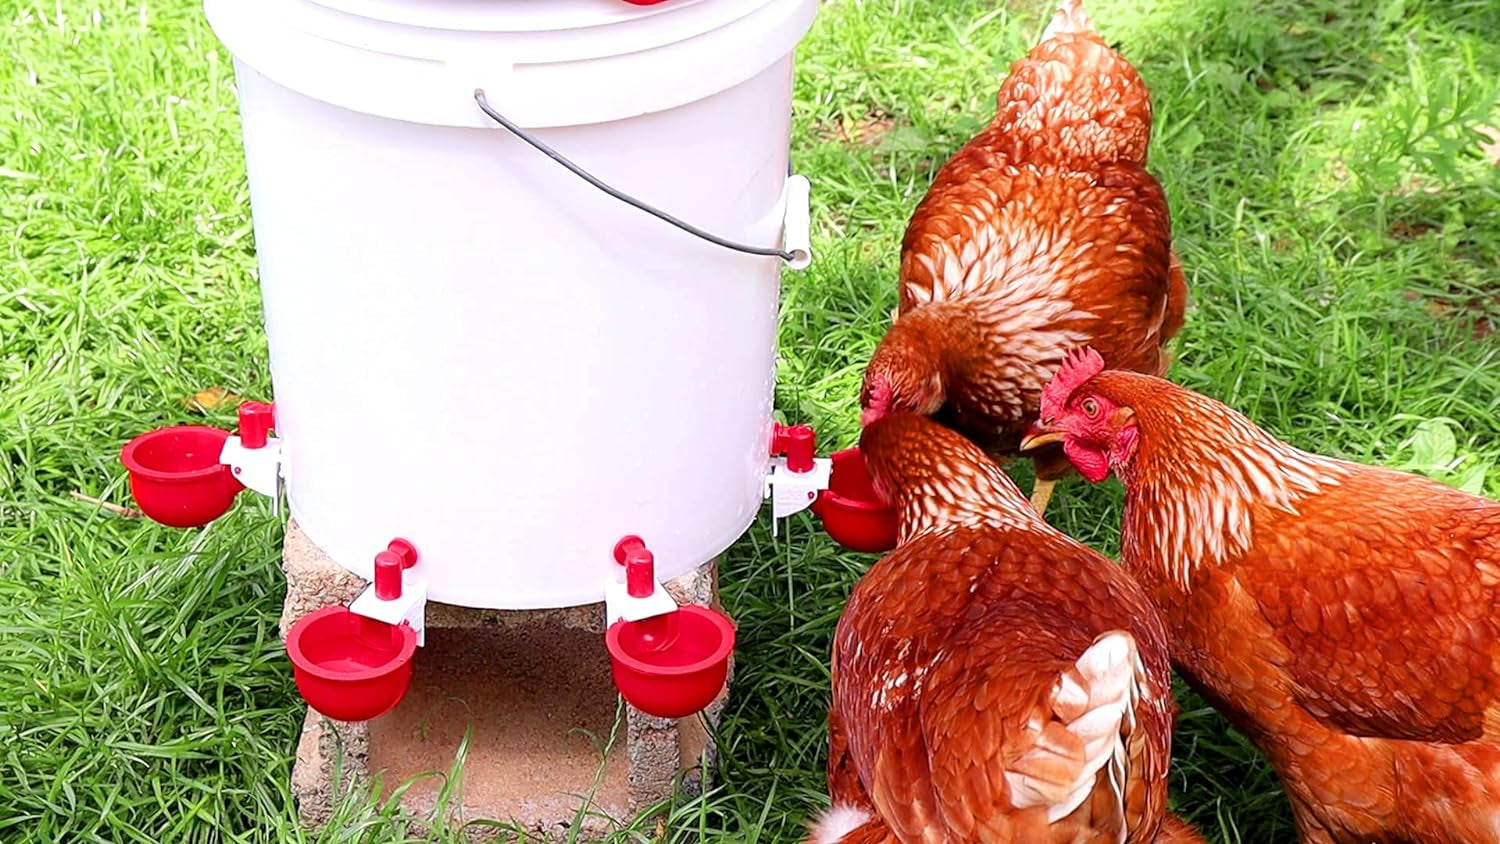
542, 705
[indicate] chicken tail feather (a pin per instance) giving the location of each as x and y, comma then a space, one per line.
1093, 714
835, 824
1069, 18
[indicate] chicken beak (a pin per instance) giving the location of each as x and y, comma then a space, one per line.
1039, 436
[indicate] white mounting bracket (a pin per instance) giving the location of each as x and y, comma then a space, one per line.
619, 603
411, 607
796, 222
259, 469
792, 492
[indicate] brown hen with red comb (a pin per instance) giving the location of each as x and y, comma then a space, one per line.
1345, 617
993, 679
1044, 233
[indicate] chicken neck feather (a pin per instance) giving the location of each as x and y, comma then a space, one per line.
939, 481
1202, 469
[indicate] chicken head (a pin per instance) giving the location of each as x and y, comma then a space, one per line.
1097, 434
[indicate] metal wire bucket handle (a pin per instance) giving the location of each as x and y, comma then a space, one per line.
796, 235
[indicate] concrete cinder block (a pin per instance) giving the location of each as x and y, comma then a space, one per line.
533, 686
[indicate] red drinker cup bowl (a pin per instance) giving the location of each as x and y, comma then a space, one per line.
176, 477
853, 515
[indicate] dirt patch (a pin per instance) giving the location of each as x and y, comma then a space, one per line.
1478, 313
867, 131
538, 700
1491, 146
1403, 230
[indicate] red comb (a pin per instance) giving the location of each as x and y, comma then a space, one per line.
1080, 365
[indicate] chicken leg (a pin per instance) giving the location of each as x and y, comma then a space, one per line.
1041, 493
1051, 466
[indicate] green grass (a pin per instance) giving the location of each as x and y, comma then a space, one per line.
1338, 220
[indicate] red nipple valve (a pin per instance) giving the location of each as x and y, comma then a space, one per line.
657, 631
396, 558
256, 418
640, 573
798, 443
388, 570
640, 566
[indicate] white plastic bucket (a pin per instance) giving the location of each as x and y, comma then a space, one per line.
471, 347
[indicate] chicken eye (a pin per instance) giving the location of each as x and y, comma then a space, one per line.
1090, 408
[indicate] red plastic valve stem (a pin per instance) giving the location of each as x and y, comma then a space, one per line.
388, 567
798, 443
256, 418
640, 573
397, 556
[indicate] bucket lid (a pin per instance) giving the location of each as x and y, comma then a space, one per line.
541, 63
514, 16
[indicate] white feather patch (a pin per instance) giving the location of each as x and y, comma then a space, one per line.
1093, 715
1017, 273
836, 822
1202, 505
1069, 17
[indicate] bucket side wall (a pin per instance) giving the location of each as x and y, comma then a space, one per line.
475, 350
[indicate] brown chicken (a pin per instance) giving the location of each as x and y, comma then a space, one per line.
993, 679
1343, 616
1045, 232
